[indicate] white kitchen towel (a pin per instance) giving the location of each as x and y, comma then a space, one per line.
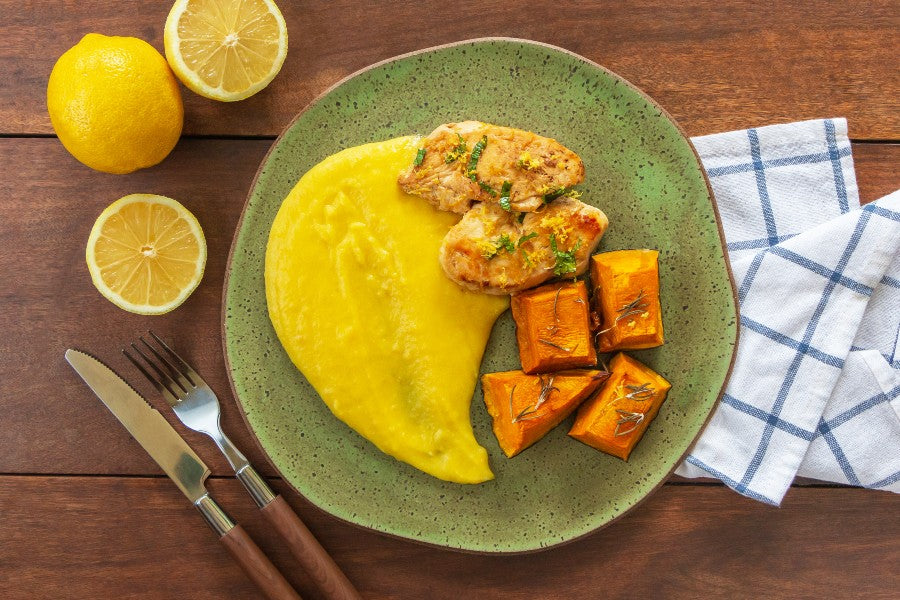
815, 383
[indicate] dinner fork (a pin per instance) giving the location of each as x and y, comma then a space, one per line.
197, 406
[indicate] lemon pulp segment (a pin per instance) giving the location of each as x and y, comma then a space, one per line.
146, 253
225, 49
362, 307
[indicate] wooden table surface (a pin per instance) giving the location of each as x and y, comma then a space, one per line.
85, 513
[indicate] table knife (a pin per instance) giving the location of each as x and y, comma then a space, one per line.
182, 465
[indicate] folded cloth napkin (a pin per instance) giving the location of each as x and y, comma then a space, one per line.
815, 389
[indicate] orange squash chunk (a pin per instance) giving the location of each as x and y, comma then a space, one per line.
553, 327
616, 418
525, 407
626, 294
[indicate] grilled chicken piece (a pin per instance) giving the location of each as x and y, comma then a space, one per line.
489, 251
534, 166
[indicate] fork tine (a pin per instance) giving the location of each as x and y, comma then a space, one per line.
174, 388
163, 389
190, 373
183, 381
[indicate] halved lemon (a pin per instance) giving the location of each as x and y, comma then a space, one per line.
225, 49
146, 253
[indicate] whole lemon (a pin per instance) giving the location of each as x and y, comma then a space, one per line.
114, 103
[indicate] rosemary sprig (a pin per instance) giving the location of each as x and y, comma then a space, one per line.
635, 307
546, 388
631, 420
640, 392
420, 156
524, 415
552, 329
637, 393
563, 348
511, 392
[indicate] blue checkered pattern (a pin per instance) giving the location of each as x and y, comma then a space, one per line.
817, 280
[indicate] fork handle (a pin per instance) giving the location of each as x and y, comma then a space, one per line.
309, 553
257, 566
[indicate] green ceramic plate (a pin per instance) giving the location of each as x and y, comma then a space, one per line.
641, 170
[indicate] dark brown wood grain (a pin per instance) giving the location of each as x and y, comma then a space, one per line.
139, 537
877, 172
714, 65
51, 422
105, 524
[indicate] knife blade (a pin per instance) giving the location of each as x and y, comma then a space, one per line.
181, 464
145, 424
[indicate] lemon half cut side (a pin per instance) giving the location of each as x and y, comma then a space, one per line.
225, 49
146, 253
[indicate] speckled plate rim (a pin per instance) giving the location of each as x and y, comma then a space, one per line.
240, 223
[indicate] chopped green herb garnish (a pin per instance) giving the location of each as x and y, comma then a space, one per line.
504, 242
458, 151
553, 195
560, 191
504, 196
525, 256
420, 156
474, 157
522, 240
565, 261
491, 252
521, 217
487, 188
501, 243
526, 237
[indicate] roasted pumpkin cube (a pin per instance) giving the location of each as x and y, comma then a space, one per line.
626, 295
615, 419
525, 407
553, 327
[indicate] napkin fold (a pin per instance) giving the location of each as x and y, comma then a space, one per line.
815, 389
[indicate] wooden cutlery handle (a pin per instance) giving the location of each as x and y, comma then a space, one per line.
307, 550
257, 566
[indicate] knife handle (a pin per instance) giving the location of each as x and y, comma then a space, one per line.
246, 553
309, 553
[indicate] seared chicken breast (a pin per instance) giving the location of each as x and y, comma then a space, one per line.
471, 161
490, 251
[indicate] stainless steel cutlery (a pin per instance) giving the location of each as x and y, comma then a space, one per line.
197, 406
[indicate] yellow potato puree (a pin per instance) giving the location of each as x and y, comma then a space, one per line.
362, 307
